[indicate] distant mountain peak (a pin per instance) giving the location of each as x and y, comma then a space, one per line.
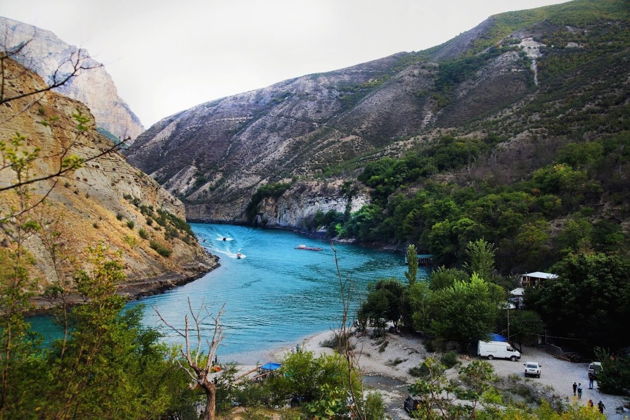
44, 53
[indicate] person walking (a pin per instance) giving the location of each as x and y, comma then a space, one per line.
601, 406
574, 388
579, 391
590, 404
591, 378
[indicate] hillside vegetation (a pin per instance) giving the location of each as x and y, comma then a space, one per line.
104, 200
515, 131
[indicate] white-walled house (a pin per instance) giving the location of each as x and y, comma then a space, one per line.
536, 278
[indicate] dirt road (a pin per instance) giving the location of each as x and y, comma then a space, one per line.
560, 375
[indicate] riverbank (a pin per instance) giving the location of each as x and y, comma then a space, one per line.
385, 364
138, 288
391, 356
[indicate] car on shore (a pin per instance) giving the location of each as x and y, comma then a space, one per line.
533, 369
594, 369
497, 350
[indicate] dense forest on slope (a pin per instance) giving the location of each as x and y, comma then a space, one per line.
540, 179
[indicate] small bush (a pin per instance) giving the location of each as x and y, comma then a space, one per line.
143, 234
395, 362
374, 406
449, 359
95, 225
338, 342
130, 224
132, 242
417, 371
119, 216
160, 249
383, 346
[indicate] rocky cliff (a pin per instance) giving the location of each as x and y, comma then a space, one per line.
217, 155
45, 53
105, 201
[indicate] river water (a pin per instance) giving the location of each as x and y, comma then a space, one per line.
274, 295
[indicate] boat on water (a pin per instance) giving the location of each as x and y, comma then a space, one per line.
309, 248
239, 256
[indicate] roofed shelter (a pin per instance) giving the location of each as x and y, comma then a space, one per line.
536, 278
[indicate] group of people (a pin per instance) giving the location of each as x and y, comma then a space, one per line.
577, 391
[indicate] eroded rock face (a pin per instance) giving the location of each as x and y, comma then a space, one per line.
45, 53
215, 156
297, 205
106, 201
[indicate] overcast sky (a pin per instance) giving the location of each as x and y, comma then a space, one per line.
167, 56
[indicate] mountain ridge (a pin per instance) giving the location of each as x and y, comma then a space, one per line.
216, 155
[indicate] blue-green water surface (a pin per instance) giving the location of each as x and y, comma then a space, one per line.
275, 294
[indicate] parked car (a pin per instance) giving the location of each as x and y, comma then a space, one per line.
594, 368
532, 369
497, 349
411, 404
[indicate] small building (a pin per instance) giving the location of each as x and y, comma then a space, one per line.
536, 278
517, 296
424, 260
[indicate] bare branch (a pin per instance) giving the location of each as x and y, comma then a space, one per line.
58, 80
195, 317
204, 374
61, 171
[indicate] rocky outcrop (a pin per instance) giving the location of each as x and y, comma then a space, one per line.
294, 208
297, 205
45, 54
105, 201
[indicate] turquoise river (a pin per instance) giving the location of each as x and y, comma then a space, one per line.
275, 295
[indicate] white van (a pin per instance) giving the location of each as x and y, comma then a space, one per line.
497, 349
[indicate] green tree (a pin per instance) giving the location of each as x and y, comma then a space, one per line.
480, 256
524, 328
466, 311
418, 297
111, 366
614, 377
384, 303
575, 235
588, 301
534, 242
321, 382
445, 277
447, 238
432, 391
412, 264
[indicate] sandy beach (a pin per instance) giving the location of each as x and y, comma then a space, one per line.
385, 368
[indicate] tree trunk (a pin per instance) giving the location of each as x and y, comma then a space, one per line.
211, 397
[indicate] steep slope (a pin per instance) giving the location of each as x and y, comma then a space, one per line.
45, 53
105, 201
217, 155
